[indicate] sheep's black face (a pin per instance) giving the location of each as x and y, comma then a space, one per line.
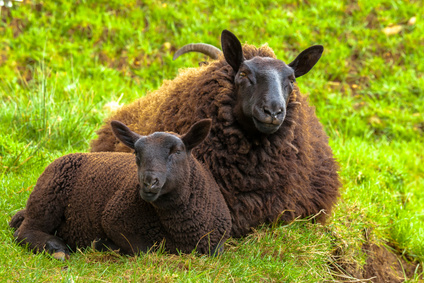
263, 87
162, 162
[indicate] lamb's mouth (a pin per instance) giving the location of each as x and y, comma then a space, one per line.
149, 196
267, 128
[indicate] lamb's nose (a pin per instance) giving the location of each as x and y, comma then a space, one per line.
151, 183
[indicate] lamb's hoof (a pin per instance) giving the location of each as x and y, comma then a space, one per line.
217, 251
57, 248
61, 256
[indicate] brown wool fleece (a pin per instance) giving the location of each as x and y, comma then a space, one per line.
288, 174
86, 196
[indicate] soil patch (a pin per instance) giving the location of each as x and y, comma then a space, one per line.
382, 265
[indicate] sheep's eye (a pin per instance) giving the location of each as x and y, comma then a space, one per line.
178, 152
242, 74
292, 80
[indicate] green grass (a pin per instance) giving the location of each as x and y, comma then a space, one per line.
61, 62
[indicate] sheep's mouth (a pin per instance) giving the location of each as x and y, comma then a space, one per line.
267, 128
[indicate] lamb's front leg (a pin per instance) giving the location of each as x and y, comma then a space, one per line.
39, 241
126, 244
130, 223
104, 245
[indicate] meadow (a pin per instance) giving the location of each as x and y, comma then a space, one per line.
65, 65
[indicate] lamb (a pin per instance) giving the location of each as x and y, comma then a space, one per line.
166, 194
267, 150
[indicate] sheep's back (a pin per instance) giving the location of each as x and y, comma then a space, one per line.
194, 94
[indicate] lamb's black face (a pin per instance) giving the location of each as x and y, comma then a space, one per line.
161, 159
263, 87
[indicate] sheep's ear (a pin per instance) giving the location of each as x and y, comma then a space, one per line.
306, 60
231, 47
124, 134
197, 133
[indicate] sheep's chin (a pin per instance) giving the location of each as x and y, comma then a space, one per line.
266, 128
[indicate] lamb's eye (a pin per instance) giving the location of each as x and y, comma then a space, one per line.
242, 74
174, 150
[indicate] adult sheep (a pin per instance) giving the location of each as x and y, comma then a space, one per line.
129, 203
267, 150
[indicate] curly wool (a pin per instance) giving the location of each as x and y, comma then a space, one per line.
288, 174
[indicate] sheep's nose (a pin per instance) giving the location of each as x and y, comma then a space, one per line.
271, 112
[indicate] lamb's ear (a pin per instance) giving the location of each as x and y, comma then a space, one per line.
306, 60
124, 134
197, 133
231, 47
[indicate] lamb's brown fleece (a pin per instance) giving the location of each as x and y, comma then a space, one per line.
284, 175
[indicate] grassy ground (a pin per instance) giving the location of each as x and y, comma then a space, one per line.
61, 62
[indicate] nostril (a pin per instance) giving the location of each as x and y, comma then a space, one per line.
155, 182
151, 184
266, 111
